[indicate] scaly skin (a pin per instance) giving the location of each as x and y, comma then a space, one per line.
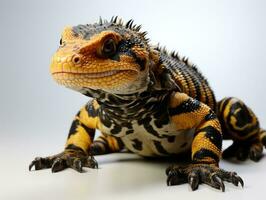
149, 102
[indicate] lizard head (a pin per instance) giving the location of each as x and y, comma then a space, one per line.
108, 56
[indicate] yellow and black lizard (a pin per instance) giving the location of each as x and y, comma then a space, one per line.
150, 102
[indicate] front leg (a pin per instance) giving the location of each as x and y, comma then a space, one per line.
206, 147
76, 154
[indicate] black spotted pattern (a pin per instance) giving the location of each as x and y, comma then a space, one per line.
137, 144
160, 148
146, 123
171, 139
91, 110
116, 130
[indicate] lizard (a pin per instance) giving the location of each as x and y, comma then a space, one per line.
149, 101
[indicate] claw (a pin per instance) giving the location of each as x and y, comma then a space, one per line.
236, 179
218, 181
195, 174
96, 165
255, 155
78, 165
168, 170
168, 181
31, 165
37, 163
241, 181
91, 162
193, 181
65, 159
175, 177
171, 174
58, 165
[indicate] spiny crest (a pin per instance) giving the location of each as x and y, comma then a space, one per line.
161, 49
130, 24
115, 20
175, 55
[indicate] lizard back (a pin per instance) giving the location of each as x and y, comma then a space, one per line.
182, 75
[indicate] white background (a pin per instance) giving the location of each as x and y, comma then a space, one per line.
226, 39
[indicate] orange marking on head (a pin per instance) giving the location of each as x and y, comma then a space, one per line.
78, 62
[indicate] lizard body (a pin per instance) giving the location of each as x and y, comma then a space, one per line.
147, 101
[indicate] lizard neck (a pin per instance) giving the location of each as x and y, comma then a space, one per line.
133, 107
130, 106
144, 100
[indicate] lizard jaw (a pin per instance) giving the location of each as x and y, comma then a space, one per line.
107, 80
92, 75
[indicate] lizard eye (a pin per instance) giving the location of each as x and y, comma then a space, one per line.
108, 48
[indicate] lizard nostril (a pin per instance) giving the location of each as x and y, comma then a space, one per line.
76, 59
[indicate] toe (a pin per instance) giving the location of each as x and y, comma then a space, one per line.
255, 152
176, 177
193, 180
242, 151
38, 163
170, 176
217, 181
58, 165
168, 169
195, 174
31, 165
254, 155
77, 165
235, 179
91, 162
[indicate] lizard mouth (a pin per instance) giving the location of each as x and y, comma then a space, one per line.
93, 75
109, 79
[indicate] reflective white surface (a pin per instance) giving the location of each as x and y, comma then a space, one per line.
120, 176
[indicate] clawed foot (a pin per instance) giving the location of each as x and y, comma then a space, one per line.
243, 151
72, 159
194, 174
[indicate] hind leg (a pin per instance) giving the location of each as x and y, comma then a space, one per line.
105, 144
241, 125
